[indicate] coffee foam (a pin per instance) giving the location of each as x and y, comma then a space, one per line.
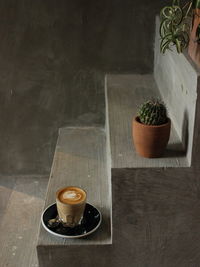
72, 195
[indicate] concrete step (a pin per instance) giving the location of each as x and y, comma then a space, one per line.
124, 94
80, 160
151, 199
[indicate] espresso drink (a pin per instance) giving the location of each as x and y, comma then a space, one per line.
70, 203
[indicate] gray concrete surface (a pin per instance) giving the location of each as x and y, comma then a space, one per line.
196, 137
80, 160
53, 56
52, 63
154, 208
157, 220
177, 80
125, 93
155, 223
21, 203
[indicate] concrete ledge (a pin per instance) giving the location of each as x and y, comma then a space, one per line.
80, 160
124, 95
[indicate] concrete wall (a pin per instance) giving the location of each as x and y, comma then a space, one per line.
177, 79
53, 57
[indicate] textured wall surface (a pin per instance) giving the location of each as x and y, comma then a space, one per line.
177, 80
159, 228
53, 56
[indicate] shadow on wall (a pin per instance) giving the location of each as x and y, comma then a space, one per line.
180, 149
185, 132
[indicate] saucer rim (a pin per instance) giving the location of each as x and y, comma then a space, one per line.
67, 236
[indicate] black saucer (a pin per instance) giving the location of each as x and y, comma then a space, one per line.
90, 222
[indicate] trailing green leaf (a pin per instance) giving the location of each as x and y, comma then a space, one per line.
178, 46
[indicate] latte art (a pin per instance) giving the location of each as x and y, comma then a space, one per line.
71, 195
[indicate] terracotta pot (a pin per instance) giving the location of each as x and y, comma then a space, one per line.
150, 140
194, 47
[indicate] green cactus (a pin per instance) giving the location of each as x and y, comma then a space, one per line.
153, 112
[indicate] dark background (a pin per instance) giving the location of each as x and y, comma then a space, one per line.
53, 59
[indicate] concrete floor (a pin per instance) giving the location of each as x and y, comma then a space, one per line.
21, 203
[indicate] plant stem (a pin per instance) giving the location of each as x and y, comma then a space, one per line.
188, 10
186, 4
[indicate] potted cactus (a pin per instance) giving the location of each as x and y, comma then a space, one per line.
151, 129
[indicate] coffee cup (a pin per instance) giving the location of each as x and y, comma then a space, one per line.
70, 202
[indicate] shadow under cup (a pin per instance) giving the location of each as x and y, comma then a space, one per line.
70, 202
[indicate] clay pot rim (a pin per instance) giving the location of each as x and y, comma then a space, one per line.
136, 120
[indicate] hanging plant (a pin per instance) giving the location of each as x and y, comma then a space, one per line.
175, 25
